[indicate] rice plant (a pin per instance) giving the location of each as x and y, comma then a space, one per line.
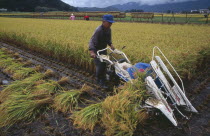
48, 73
16, 55
68, 101
5, 62
13, 67
23, 73
63, 80
38, 68
20, 85
22, 108
48, 87
86, 88
2, 54
27, 63
121, 113
20, 59
88, 117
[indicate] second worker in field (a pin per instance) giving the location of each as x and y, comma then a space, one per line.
100, 39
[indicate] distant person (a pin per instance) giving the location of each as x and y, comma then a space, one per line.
100, 39
86, 17
72, 17
206, 15
41, 13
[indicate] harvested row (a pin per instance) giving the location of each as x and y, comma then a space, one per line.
28, 98
77, 77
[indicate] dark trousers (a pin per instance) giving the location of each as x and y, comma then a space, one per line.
100, 70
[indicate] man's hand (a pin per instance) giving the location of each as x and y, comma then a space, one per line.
112, 47
92, 54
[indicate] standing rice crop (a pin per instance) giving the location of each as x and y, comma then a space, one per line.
68, 41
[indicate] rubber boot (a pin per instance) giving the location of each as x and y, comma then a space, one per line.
103, 84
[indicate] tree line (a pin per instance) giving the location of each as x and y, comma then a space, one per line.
36, 5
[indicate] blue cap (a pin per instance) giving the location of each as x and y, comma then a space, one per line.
108, 18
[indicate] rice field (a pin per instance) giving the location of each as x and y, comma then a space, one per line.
68, 40
187, 46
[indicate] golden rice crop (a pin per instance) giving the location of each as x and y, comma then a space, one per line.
68, 40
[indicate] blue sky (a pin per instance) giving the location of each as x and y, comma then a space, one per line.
105, 3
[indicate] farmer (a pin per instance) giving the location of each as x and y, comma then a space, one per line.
86, 17
72, 17
100, 39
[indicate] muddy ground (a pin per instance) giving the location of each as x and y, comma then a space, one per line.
58, 124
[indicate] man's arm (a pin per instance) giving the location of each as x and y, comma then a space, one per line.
93, 43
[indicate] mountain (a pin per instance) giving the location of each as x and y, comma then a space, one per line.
110, 8
175, 7
33, 5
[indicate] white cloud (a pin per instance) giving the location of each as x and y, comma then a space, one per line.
105, 3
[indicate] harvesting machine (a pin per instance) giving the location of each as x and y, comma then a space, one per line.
166, 94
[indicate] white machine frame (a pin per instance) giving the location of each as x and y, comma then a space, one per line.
169, 88
119, 70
